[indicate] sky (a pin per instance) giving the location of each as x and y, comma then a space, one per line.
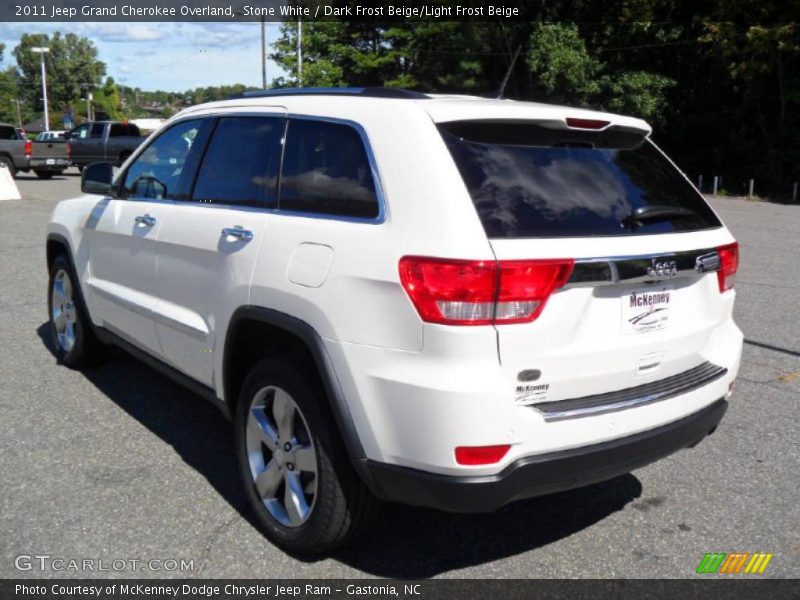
167, 56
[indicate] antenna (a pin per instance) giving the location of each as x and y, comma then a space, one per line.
508, 73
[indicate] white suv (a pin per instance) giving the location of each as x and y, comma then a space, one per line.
444, 301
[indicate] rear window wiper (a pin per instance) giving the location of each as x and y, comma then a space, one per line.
655, 212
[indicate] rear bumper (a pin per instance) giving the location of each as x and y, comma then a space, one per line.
48, 164
543, 474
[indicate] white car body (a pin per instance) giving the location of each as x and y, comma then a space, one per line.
413, 390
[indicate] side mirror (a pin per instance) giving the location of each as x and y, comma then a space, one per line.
96, 178
66, 135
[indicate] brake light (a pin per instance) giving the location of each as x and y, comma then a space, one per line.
729, 264
28, 148
473, 292
586, 123
481, 455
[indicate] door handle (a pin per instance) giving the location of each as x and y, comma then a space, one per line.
238, 232
145, 220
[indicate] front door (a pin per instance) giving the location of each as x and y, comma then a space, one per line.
124, 230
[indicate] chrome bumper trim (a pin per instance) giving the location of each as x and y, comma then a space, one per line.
573, 408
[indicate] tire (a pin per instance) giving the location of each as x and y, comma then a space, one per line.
304, 454
44, 174
80, 168
9, 164
70, 329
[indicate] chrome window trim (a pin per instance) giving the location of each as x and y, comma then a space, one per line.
376, 178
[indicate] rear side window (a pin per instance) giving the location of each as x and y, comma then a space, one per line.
526, 180
123, 129
241, 162
326, 170
8, 133
80, 133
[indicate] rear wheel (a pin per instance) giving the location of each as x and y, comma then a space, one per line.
74, 341
297, 475
44, 174
6, 162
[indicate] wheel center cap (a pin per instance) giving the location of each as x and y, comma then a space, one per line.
279, 456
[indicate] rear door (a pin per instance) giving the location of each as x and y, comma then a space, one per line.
640, 303
95, 145
209, 242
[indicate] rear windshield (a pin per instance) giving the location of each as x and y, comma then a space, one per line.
527, 180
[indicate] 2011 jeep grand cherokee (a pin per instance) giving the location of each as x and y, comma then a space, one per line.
444, 301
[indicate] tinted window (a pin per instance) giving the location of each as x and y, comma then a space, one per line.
241, 162
167, 166
8, 133
97, 130
529, 181
123, 129
326, 170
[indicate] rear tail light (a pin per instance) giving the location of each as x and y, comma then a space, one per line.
729, 263
69, 150
481, 455
471, 292
28, 148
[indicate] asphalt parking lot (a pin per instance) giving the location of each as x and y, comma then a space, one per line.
118, 462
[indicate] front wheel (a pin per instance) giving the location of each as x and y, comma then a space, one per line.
296, 472
75, 343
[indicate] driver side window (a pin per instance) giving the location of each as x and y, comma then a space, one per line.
166, 167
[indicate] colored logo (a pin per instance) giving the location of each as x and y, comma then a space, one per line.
735, 562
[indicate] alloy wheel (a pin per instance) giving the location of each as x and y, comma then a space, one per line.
63, 312
280, 451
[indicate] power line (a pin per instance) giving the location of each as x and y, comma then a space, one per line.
658, 45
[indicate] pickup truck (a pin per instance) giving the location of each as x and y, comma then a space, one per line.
46, 158
103, 141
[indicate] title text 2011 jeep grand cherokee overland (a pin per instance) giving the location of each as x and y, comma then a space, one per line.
444, 301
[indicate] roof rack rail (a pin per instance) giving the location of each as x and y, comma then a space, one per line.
368, 92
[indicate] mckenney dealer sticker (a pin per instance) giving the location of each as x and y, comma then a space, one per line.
646, 310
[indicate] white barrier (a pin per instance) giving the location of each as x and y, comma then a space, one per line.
8, 187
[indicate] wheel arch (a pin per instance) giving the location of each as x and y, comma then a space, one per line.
57, 244
303, 333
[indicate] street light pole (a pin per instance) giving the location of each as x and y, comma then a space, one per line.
299, 52
41, 50
263, 54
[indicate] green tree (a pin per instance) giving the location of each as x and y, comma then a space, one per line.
72, 60
108, 100
565, 71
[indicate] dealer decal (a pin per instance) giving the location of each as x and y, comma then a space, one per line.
646, 310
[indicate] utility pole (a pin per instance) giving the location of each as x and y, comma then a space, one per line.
299, 52
41, 50
88, 87
17, 101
